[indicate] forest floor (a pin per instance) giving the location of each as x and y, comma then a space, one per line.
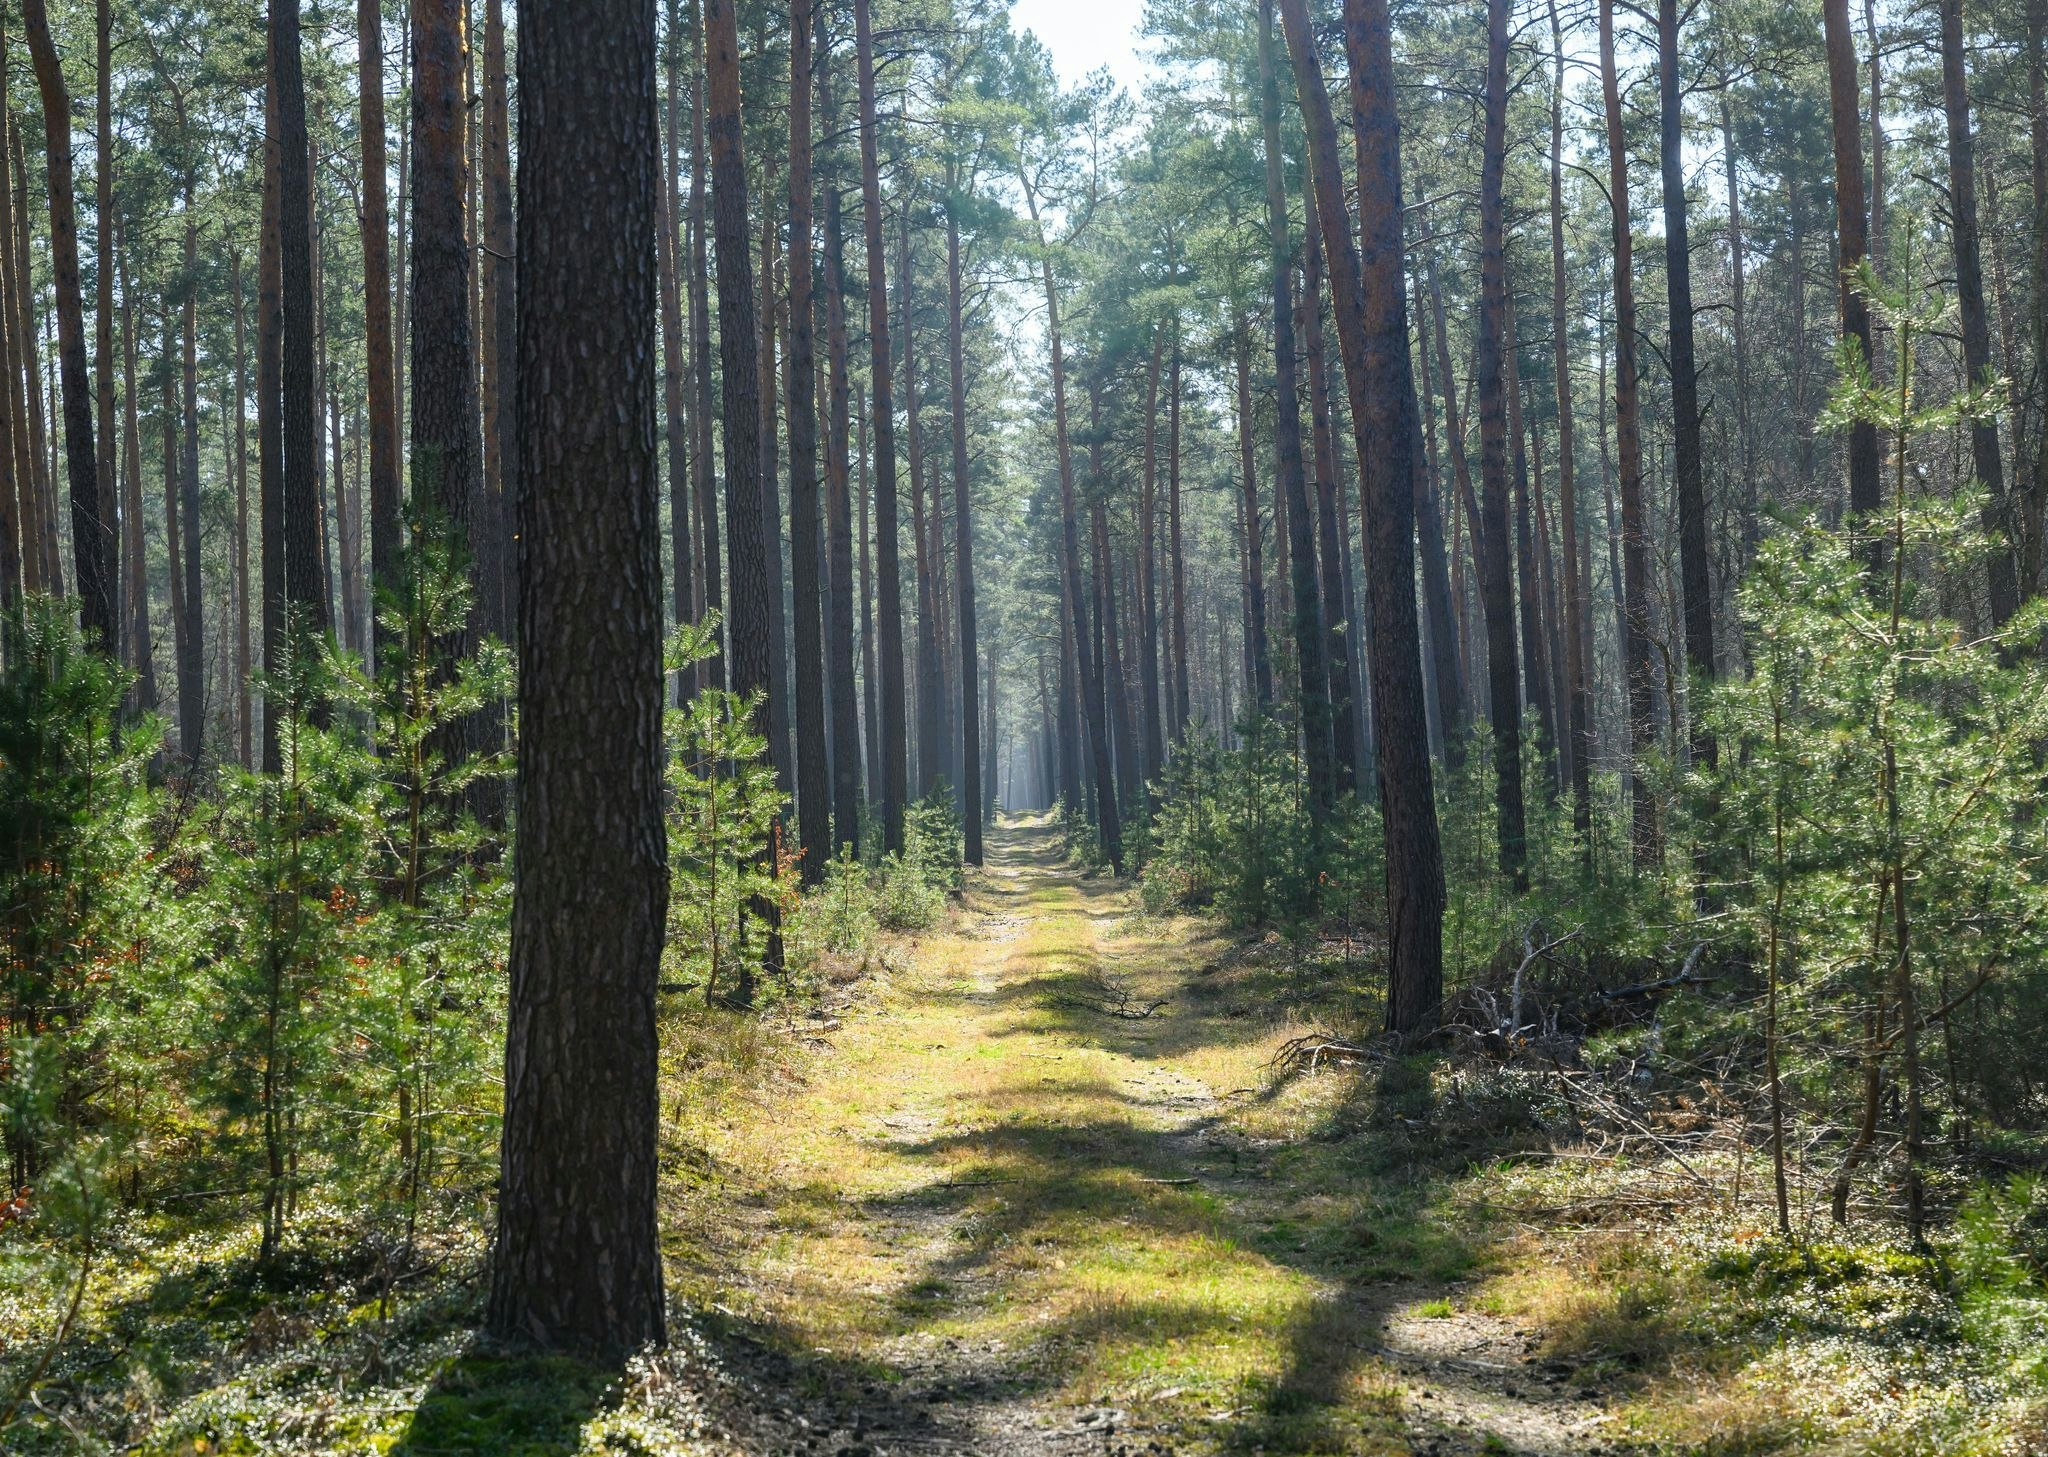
1043, 1194
1045, 1182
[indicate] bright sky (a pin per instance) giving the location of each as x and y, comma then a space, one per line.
1085, 34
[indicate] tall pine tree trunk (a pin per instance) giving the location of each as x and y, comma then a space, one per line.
1645, 835
379, 348
92, 517
889, 604
844, 691
304, 582
975, 784
498, 328
813, 784
578, 1259
1372, 331
1851, 224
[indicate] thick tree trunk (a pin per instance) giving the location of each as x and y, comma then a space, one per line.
1372, 332
889, 606
578, 1260
976, 783
1578, 705
1496, 569
92, 515
1645, 835
1311, 647
813, 783
2002, 588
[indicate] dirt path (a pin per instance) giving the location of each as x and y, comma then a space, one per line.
1038, 1197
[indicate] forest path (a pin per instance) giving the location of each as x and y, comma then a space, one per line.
1013, 1208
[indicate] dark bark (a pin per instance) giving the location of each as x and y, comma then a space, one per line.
1258, 665
192, 653
498, 326
746, 525
1865, 490
1696, 584
1496, 570
844, 690
92, 515
1334, 551
183, 605
1645, 835
304, 583
977, 780
1578, 699
2001, 579
243, 663
889, 604
1148, 592
1438, 599
1372, 331
107, 452
813, 782
1175, 556
270, 430
578, 1260
378, 342
710, 578
675, 355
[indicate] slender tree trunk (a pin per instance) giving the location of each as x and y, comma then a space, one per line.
1528, 565
578, 1260
143, 660
869, 678
1109, 823
814, 790
270, 495
675, 354
1579, 705
2002, 581
1148, 594
932, 748
107, 457
1116, 686
35, 460
2037, 122
1645, 835
1865, 490
192, 662
1697, 592
889, 608
746, 524
975, 784
20, 558
844, 694
183, 604
92, 515
1372, 332
1496, 570
1311, 647
710, 575
380, 352
1176, 557
305, 587
498, 326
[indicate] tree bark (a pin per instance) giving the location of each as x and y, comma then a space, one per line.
304, 584
1865, 489
675, 354
381, 381
974, 788
2002, 587
1696, 584
107, 455
498, 324
1148, 593
710, 576
889, 607
1645, 836
578, 1260
92, 515
813, 781
192, 662
844, 691
1579, 704
1496, 569
1372, 333
1311, 646
746, 524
